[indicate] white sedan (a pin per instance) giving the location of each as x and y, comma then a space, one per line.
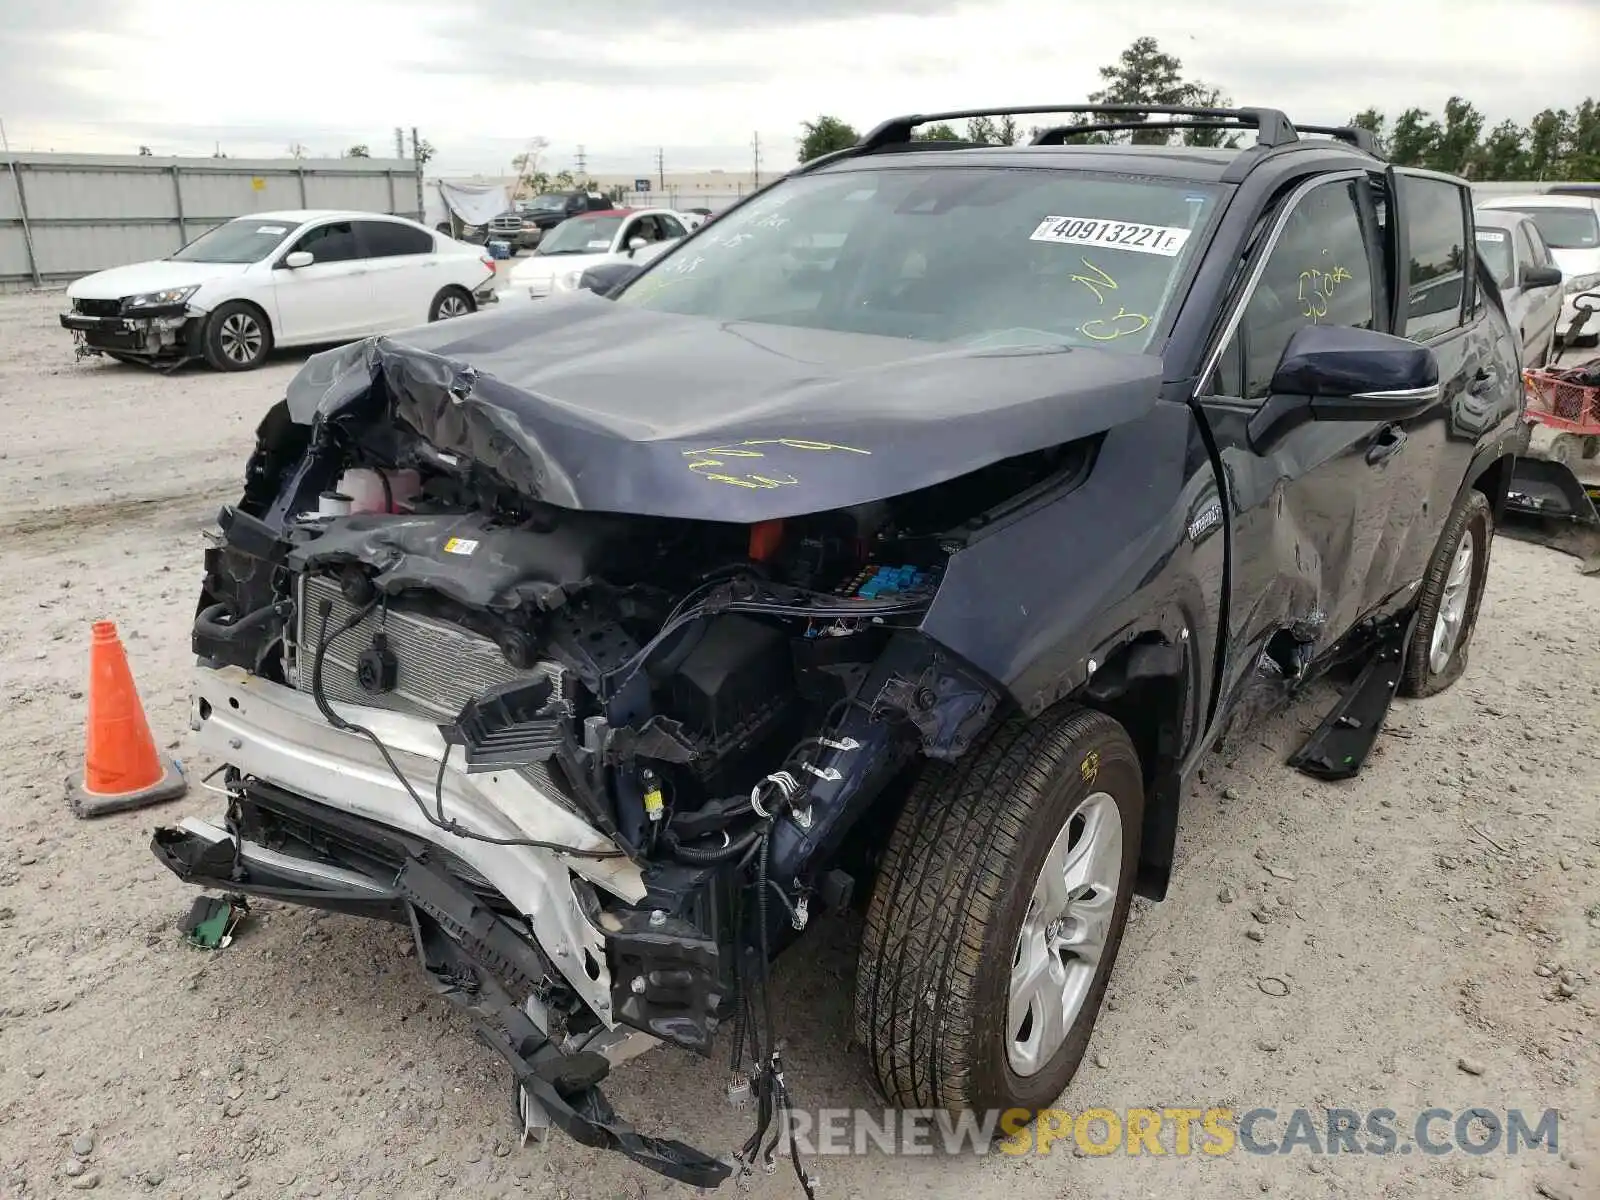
292, 278
588, 240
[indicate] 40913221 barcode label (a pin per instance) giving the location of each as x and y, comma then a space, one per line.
1166, 240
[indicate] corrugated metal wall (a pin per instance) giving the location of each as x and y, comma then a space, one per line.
66, 215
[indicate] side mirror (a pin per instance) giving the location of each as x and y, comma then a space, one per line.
298, 258
1588, 302
1335, 373
635, 244
1542, 277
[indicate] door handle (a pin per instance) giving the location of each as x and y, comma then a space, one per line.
1387, 442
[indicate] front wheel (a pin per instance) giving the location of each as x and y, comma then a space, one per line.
1452, 591
451, 302
997, 914
237, 337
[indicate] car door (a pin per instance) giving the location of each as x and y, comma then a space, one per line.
332, 297
404, 268
1312, 508
1442, 307
1544, 304
1522, 307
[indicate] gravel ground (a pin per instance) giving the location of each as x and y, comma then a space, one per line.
1434, 924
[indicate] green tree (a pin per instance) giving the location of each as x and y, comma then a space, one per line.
144, 152
358, 151
1145, 74
422, 151
825, 135
1456, 147
1415, 137
939, 132
1584, 158
1550, 144
1203, 95
1373, 122
986, 131
1504, 153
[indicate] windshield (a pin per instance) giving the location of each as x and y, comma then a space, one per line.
582, 235
972, 255
1566, 228
1494, 247
548, 203
247, 240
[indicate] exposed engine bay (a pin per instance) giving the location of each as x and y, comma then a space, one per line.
605, 765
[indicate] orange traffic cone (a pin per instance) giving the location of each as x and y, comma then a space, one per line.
122, 768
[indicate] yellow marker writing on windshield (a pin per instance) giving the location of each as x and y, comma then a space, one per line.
1124, 324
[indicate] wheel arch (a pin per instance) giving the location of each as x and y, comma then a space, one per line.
1149, 685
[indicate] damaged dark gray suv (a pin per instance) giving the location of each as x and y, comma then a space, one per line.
902, 538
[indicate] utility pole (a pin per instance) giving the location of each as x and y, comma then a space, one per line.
416, 158
755, 149
661, 168
399, 142
583, 164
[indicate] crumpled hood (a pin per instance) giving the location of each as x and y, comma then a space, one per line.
155, 276
590, 404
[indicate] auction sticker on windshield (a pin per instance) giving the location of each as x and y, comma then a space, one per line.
1122, 235
1491, 235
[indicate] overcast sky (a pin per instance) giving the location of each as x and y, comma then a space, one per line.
697, 78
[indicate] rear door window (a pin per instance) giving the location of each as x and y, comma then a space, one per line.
1435, 214
390, 239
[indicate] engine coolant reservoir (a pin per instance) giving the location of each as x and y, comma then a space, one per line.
374, 491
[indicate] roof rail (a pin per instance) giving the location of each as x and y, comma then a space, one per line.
1272, 127
1362, 139
1057, 135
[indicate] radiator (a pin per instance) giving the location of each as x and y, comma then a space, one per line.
440, 665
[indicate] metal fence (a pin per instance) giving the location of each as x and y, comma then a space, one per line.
66, 215
684, 198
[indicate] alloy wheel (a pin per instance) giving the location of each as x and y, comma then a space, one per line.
1064, 933
241, 338
1452, 607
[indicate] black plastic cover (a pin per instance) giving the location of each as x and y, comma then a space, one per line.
465, 556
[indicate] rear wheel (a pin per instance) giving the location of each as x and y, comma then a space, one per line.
997, 915
451, 302
238, 337
1566, 449
1452, 591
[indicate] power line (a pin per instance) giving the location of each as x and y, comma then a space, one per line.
583, 162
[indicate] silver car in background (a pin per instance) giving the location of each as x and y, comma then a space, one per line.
1530, 282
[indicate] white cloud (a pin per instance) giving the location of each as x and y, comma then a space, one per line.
180, 74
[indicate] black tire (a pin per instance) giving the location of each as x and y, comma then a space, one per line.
448, 301
950, 901
238, 337
1472, 519
1566, 449
1591, 447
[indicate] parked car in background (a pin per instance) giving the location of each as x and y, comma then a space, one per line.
1570, 225
292, 278
1530, 282
549, 210
516, 226
627, 235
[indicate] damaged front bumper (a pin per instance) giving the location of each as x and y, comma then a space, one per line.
160, 332
279, 746
469, 952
